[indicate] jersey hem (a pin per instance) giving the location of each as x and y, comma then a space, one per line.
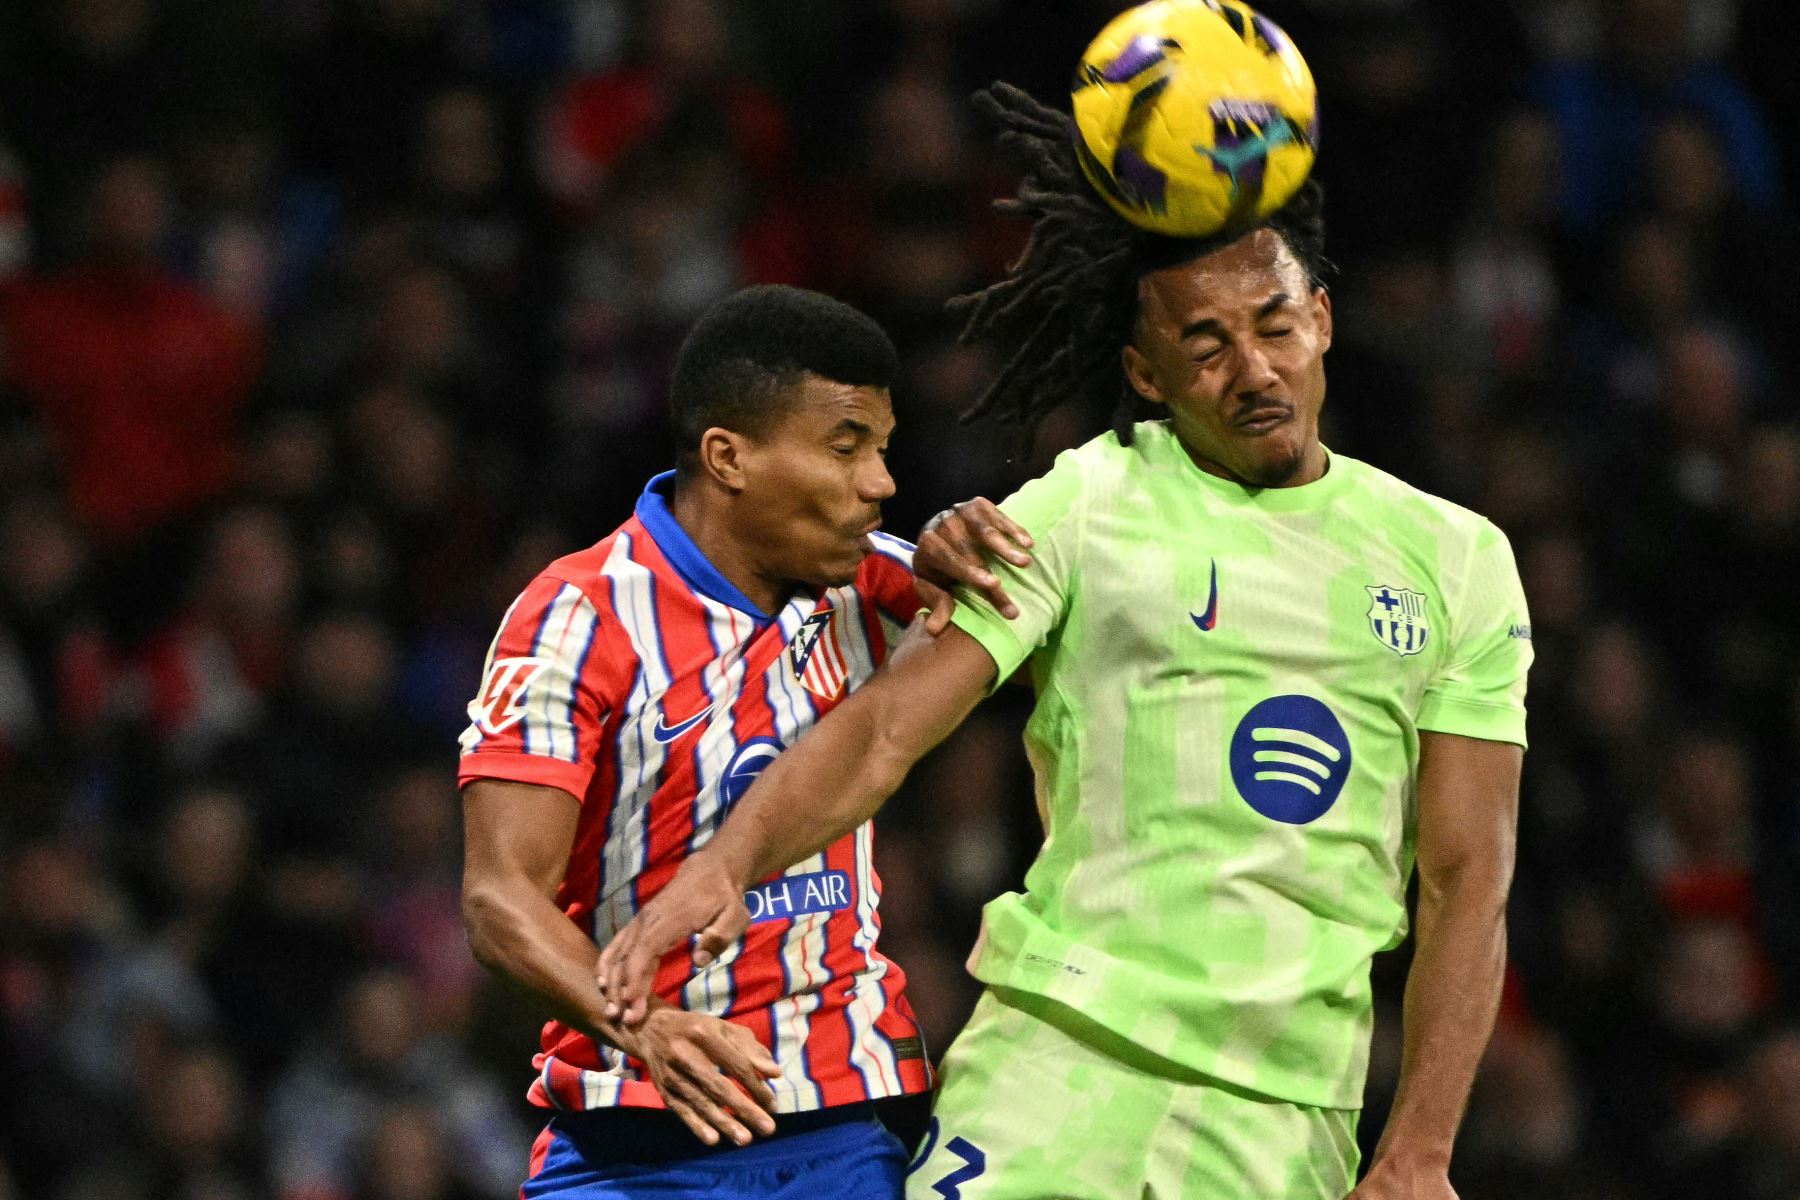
991, 633
1472, 718
514, 767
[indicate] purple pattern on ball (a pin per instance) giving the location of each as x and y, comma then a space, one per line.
1143, 53
1139, 180
1272, 36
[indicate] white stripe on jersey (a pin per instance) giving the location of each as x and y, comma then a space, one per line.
870, 1053
712, 990
889, 546
640, 755
801, 964
568, 625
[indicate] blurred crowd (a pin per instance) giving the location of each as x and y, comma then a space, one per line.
325, 323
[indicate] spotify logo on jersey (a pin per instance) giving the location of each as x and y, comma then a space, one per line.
1289, 759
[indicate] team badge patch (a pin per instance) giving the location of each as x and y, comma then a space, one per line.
501, 704
815, 656
1399, 618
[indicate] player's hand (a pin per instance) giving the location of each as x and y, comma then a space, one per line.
703, 898
953, 549
711, 1073
1385, 1182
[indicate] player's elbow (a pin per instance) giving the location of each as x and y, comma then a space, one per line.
1472, 881
485, 916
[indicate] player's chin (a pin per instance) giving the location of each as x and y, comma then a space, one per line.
1275, 457
841, 568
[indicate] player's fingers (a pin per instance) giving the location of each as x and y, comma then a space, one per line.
750, 1063
737, 1102
710, 1093
1004, 544
678, 1104
629, 985
726, 927
938, 619
1017, 532
609, 971
959, 559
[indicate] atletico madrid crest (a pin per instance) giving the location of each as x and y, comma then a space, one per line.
816, 657
1399, 618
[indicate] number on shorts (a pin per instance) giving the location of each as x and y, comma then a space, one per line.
973, 1159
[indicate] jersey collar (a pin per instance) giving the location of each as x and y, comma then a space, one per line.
1316, 494
658, 518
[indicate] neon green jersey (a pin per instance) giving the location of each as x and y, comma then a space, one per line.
1231, 684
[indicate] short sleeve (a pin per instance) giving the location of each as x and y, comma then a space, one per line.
1049, 509
538, 716
1480, 691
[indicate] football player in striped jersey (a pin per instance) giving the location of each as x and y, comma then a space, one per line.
634, 691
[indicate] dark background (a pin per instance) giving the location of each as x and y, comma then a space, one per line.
324, 325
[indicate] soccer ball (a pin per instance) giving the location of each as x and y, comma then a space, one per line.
1194, 117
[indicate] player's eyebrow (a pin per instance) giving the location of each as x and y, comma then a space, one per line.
850, 425
1211, 325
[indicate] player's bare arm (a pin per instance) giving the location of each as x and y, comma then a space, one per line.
517, 842
951, 551
1468, 820
830, 782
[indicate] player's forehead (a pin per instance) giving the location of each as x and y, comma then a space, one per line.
818, 406
1236, 279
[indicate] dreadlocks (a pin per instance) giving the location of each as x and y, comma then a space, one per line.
1066, 306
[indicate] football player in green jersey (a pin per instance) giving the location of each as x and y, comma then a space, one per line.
1270, 681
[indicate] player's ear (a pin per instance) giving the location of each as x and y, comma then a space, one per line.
1322, 315
1140, 375
722, 458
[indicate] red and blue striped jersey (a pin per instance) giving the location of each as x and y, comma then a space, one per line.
634, 676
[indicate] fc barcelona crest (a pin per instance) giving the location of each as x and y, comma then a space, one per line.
1399, 618
815, 656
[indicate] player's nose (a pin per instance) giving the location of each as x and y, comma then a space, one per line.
874, 484
1256, 372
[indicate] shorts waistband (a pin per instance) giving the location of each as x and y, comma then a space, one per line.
630, 1135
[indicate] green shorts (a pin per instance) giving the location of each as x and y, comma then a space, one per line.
1030, 1111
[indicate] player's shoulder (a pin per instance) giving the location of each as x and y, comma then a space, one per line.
586, 569
1397, 504
1401, 511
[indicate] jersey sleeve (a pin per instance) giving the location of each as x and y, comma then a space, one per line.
1049, 508
1480, 691
542, 704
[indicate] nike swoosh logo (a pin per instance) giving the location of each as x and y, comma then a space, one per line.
667, 733
1210, 617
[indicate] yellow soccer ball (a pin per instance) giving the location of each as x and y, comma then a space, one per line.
1195, 117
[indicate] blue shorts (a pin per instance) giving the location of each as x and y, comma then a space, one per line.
616, 1154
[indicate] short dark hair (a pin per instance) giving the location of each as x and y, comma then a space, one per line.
1067, 306
739, 364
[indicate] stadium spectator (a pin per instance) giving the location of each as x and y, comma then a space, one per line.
334, 1095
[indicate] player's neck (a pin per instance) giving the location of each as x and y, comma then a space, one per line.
1314, 463
710, 529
